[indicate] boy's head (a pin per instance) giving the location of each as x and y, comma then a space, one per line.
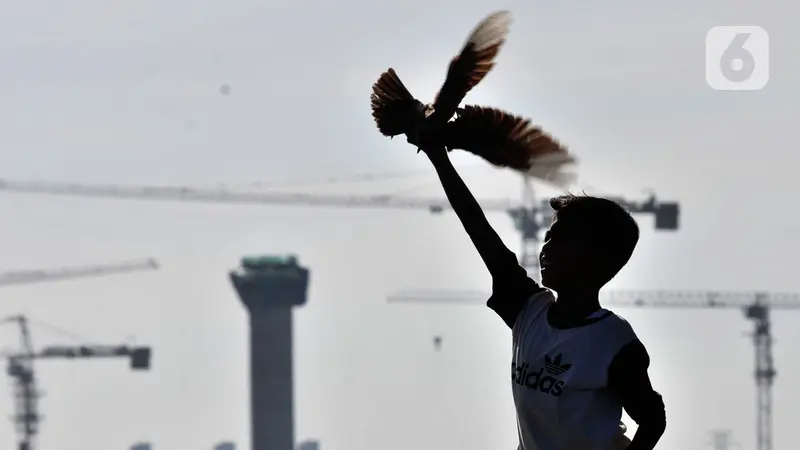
588, 243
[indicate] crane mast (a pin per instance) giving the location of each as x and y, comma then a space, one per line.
765, 372
21, 370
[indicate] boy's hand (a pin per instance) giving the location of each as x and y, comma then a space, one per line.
621, 442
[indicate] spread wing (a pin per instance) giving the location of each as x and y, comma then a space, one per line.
506, 140
393, 107
472, 64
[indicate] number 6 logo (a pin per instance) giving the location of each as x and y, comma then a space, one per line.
737, 58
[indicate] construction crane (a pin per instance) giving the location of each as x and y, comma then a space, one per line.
66, 273
755, 305
530, 216
21, 370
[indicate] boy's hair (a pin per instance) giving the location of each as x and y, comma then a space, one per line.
608, 226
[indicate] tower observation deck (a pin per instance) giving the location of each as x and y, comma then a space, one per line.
270, 286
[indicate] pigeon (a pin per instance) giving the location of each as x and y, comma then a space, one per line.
499, 137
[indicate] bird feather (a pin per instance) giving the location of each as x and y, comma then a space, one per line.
474, 62
506, 140
393, 107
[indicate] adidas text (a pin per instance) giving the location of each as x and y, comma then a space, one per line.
538, 380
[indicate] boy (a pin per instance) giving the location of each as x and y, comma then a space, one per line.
575, 365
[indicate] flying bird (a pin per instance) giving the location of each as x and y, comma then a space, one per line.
501, 138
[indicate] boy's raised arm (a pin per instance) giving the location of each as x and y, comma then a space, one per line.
511, 284
497, 257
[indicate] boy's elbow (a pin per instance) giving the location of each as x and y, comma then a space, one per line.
655, 417
648, 410
656, 427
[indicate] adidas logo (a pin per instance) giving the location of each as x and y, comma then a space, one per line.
554, 365
543, 380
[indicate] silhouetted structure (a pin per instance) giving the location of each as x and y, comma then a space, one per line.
270, 287
225, 446
308, 445
142, 446
21, 370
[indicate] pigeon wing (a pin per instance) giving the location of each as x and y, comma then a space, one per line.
393, 107
506, 140
473, 63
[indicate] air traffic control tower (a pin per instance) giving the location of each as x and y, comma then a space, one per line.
270, 287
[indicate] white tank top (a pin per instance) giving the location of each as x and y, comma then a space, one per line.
560, 379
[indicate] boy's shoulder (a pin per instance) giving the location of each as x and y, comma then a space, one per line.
619, 328
632, 349
618, 317
623, 322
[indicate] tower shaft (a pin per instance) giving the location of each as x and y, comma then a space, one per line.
271, 379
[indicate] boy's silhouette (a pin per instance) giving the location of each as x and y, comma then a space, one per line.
575, 365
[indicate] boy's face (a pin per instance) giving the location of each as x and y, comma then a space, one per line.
565, 258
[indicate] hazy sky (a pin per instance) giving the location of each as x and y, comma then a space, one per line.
129, 92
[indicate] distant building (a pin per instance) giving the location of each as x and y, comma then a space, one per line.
270, 288
225, 446
142, 446
308, 445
